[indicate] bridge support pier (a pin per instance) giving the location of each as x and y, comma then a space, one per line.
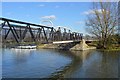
82, 46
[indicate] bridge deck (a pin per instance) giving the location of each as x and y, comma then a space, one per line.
69, 41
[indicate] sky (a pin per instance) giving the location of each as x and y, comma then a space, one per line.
59, 0
67, 14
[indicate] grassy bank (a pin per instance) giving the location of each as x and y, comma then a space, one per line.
112, 47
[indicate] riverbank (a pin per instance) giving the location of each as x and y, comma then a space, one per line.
68, 46
76, 47
114, 49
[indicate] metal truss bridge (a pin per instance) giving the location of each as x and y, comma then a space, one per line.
19, 31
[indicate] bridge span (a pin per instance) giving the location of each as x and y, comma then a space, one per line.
19, 31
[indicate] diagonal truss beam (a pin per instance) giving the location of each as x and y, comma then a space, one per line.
32, 35
45, 35
12, 32
7, 34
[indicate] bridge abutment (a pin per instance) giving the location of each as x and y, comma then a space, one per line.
82, 46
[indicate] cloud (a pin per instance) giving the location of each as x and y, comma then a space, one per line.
49, 17
57, 6
93, 11
88, 12
41, 5
79, 22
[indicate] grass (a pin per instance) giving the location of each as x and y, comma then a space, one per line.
113, 47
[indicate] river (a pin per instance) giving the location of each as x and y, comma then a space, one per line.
45, 63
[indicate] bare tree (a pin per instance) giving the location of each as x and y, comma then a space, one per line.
102, 22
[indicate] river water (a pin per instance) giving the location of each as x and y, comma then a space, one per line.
45, 63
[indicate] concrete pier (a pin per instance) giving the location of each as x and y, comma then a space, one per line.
82, 46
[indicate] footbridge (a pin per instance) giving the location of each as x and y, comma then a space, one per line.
19, 31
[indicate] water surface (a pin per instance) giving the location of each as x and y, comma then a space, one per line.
42, 63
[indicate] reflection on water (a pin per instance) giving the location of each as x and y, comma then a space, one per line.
22, 55
93, 64
58, 64
90, 64
78, 59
